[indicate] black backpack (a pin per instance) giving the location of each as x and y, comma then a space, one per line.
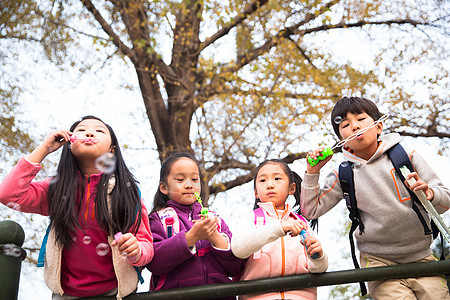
399, 158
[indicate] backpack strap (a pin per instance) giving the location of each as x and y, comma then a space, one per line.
348, 188
41, 258
260, 219
399, 158
169, 219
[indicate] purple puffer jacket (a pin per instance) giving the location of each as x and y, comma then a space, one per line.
175, 266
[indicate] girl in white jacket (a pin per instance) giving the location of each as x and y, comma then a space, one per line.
271, 239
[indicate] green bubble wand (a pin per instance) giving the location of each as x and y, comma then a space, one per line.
328, 151
204, 210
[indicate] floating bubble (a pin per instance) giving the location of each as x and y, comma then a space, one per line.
344, 164
102, 249
87, 240
74, 239
16, 252
12, 250
128, 184
14, 206
106, 163
337, 120
124, 255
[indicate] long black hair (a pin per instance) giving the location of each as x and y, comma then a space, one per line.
126, 207
293, 178
160, 199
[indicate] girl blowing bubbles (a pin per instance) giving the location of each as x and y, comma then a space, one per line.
271, 240
190, 249
87, 206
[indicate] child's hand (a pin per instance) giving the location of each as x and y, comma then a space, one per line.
313, 246
314, 154
293, 226
52, 142
201, 230
420, 185
129, 246
218, 240
56, 139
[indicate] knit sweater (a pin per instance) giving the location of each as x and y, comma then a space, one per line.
392, 229
270, 252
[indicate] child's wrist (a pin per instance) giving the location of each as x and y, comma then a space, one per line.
135, 258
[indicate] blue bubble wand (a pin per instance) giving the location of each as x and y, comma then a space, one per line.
304, 235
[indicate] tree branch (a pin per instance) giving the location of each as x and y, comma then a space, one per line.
441, 135
211, 89
109, 31
241, 17
217, 188
360, 24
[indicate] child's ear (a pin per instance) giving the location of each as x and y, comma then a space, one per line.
256, 195
292, 188
163, 188
112, 149
379, 128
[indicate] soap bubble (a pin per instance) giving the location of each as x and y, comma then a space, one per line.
15, 206
337, 120
12, 250
124, 255
344, 164
87, 240
102, 249
106, 163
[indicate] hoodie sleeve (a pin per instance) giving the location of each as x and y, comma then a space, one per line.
250, 238
168, 252
232, 264
315, 200
19, 189
441, 200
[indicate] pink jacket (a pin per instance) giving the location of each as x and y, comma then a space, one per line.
272, 253
79, 270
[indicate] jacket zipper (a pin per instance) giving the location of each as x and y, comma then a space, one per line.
88, 190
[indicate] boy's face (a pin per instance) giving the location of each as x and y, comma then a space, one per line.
365, 144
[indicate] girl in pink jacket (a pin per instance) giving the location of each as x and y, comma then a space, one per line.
91, 201
277, 241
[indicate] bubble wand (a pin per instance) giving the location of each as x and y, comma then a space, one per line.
329, 150
204, 210
73, 139
303, 236
428, 206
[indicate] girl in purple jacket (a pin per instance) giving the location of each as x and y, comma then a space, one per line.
190, 249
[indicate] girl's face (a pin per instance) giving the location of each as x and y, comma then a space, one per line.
365, 144
272, 185
182, 181
90, 139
